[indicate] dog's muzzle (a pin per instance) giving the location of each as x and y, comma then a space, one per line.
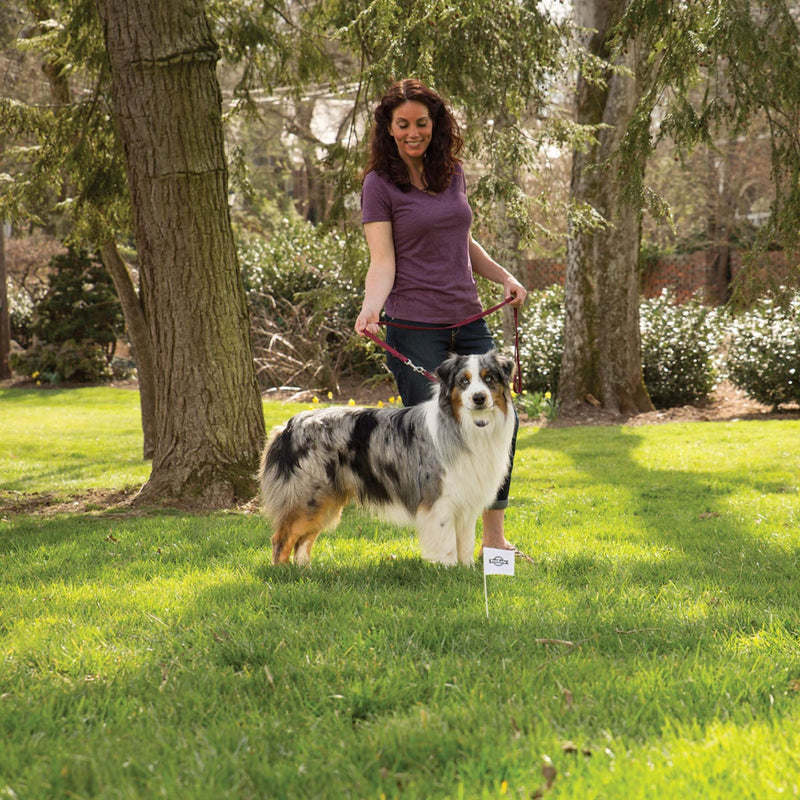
479, 400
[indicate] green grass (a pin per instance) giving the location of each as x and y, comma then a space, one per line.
162, 654
64, 442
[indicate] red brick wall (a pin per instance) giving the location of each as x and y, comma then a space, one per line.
685, 274
544, 272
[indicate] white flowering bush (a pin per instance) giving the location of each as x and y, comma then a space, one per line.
542, 340
679, 346
20, 313
679, 349
764, 352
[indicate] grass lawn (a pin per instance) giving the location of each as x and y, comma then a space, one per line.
652, 649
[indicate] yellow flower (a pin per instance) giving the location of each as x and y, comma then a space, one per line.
391, 401
35, 374
351, 402
504, 787
380, 403
330, 395
547, 395
315, 400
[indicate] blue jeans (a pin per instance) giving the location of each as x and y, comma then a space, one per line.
428, 348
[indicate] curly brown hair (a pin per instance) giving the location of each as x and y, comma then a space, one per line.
441, 156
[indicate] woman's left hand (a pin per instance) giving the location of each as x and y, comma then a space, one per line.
514, 291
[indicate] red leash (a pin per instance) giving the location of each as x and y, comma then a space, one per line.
427, 373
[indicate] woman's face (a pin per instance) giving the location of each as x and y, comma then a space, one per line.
411, 129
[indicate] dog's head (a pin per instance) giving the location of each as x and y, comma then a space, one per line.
478, 385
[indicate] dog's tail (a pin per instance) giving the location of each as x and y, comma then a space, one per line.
271, 482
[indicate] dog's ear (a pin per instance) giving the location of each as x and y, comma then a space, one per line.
506, 365
447, 370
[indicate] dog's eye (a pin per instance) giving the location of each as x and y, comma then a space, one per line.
464, 382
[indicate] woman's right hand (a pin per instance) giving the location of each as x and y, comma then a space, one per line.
367, 322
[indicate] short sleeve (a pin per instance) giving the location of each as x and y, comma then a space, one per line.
376, 205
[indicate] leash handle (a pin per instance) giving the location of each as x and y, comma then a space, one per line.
461, 324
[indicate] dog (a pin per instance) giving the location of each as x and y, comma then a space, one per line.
436, 465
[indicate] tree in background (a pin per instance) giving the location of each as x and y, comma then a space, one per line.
602, 350
704, 67
76, 324
5, 316
71, 180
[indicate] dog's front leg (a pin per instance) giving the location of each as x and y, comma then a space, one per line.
465, 540
437, 534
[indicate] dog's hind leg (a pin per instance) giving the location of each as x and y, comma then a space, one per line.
302, 550
300, 534
326, 519
285, 538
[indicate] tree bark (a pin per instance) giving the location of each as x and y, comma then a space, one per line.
602, 347
720, 223
136, 324
167, 105
5, 317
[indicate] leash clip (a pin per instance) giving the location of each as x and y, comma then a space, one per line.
419, 370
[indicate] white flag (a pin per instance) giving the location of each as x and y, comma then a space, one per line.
498, 562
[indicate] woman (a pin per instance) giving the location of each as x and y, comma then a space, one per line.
422, 255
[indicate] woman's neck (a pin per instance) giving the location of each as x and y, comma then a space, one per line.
416, 172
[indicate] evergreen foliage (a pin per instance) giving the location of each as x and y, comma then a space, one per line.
680, 346
80, 304
65, 147
75, 325
718, 67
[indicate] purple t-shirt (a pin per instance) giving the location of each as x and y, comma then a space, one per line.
433, 274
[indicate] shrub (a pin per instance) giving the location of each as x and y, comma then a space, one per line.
763, 357
304, 299
80, 305
83, 362
20, 313
679, 343
541, 322
74, 327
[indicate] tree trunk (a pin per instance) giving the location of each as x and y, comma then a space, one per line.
167, 105
136, 324
602, 347
720, 223
5, 318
